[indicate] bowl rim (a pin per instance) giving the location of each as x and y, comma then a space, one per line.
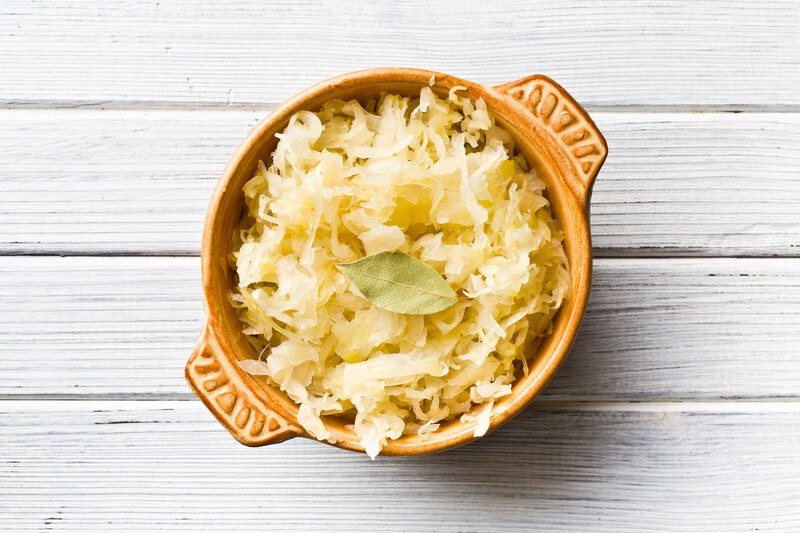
503, 106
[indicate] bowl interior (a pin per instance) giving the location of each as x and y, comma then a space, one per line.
227, 208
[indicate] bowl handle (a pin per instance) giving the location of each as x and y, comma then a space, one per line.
568, 124
225, 391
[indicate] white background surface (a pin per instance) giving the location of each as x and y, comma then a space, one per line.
678, 408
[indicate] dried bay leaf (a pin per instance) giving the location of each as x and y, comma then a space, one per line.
400, 283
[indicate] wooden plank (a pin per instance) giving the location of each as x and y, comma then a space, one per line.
134, 466
111, 182
139, 182
178, 53
655, 328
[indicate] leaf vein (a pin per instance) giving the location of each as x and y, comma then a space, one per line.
442, 295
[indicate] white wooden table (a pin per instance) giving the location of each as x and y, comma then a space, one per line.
679, 407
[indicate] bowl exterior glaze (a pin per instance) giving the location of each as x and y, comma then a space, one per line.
554, 133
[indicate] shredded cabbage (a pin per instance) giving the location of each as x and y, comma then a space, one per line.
433, 177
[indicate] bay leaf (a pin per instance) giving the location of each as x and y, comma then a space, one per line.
400, 283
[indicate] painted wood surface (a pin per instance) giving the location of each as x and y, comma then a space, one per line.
139, 182
723, 54
677, 409
133, 466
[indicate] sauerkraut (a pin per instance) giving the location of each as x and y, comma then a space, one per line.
435, 178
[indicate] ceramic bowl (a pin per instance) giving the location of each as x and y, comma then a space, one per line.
554, 133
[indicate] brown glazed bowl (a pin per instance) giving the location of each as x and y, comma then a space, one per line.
553, 132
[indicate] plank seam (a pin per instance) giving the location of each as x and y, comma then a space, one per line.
649, 405
156, 105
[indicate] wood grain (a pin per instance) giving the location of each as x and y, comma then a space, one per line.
117, 182
655, 329
678, 408
737, 54
133, 466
